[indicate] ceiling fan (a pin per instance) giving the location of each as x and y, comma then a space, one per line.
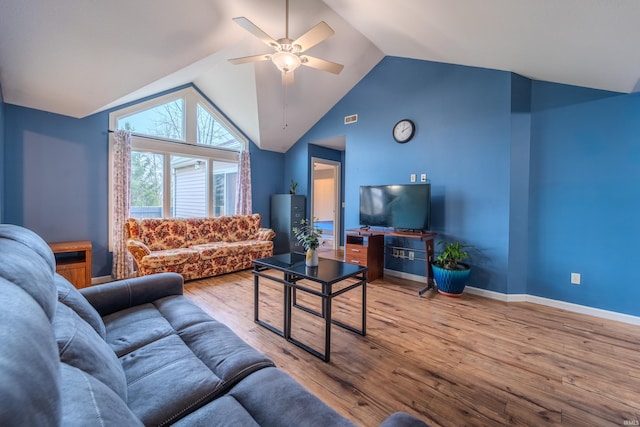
287, 56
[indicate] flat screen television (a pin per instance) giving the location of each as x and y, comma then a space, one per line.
401, 207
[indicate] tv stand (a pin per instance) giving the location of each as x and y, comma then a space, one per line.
365, 246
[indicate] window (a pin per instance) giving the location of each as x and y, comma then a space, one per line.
146, 184
184, 159
213, 133
164, 121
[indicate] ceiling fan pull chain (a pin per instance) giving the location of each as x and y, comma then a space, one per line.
284, 107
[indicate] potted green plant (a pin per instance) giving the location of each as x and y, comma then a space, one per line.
309, 238
293, 186
449, 272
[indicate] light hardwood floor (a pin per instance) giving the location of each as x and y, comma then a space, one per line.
466, 361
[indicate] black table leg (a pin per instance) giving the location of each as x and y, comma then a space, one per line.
287, 307
364, 307
326, 311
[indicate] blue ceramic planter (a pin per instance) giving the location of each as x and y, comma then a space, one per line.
451, 282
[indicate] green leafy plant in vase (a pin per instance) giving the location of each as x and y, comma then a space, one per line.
449, 272
309, 237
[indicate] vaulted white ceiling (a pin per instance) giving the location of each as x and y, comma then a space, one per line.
77, 57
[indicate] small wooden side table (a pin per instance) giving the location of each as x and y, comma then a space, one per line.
73, 261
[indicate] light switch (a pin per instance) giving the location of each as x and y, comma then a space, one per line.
413, 177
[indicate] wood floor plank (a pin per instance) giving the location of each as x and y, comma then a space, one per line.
451, 361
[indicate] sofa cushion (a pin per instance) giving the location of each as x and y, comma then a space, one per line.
88, 402
29, 240
241, 227
213, 342
27, 261
253, 401
158, 233
177, 358
80, 346
72, 298
29, 366
204, 230
255, 246
166, 379
217, 250
170, 257
135, 327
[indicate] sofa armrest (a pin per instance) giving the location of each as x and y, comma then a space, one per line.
403, 419
121, 294
137, 249
265, 234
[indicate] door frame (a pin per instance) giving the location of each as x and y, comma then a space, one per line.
337, 206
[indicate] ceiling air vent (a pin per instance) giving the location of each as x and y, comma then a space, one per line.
350, 119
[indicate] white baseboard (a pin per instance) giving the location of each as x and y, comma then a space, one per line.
597, 312
100, 280
496, 295
576, 308
407, 276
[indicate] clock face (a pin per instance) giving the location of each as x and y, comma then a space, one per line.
404, 130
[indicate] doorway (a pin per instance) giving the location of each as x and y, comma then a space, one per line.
325, 200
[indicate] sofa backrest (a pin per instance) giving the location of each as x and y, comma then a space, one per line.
29, 365
55, 367
158, 233
171, 233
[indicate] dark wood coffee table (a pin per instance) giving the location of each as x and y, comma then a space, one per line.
290, 269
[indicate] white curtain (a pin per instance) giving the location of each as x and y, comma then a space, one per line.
243, 193
122, 261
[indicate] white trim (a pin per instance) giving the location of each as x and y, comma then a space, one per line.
406, 276
583, 309
496, 295
101, 280
563, 305
337, 206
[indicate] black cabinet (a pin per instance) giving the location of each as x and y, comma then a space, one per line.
286, 213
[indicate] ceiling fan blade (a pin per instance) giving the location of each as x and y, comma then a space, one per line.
321, 64
245, 59
287, 78
317, 34
253, 29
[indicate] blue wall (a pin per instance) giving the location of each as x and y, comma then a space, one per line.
585, 199
463, 117
266, 179
56, 175
541, 178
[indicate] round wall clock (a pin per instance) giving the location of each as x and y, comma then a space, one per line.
404, 130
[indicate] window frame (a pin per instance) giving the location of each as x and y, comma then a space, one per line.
168, 146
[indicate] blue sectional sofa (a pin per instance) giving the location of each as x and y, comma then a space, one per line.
132, 352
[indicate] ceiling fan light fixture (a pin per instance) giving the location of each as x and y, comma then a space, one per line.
286, 61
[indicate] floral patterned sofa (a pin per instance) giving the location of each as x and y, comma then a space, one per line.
197, 247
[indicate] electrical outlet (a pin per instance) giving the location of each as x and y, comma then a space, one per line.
575, 278
423, 177
413, 177
412, 255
